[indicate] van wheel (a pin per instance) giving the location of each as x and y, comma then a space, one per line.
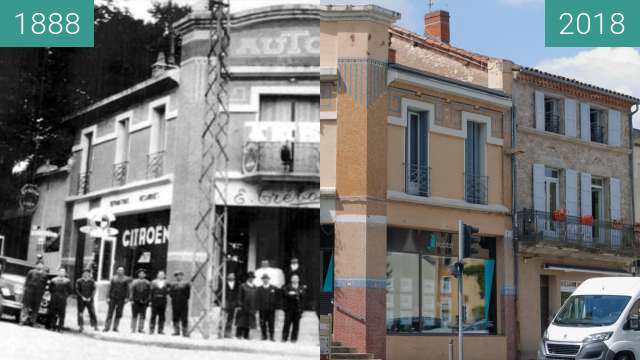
624, 357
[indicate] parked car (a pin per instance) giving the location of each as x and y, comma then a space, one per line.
11, 291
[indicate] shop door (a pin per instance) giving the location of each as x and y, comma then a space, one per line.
544, 303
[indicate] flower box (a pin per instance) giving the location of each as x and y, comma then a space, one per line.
586, 220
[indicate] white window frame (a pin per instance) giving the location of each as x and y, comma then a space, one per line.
121, 154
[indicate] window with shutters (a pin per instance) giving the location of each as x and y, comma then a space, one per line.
597, 125
476, 181
417, 172
552, 115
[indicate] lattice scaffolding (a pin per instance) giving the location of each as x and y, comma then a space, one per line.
211, 229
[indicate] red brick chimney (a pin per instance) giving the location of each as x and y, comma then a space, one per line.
436, 24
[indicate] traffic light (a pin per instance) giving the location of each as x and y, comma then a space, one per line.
471, 242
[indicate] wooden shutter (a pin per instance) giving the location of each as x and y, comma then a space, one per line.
571, 193
614, 128
539, 105
585, 193
538, 187
585, 122
614, 197
570, 117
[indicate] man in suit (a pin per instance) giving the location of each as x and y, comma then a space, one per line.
116, 297
85, 291
230, 303
159, 293
267, 297
60, 289
246, 317
180, 291
140, 296
293, 298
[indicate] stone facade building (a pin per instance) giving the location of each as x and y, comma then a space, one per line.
574, 204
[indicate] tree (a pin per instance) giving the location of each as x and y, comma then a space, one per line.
45, 84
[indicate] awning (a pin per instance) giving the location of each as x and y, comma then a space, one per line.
592, 270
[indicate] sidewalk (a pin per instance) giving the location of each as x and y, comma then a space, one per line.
307, 345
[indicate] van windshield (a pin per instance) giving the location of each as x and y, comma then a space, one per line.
591, 310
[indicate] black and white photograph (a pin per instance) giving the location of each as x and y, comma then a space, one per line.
160, 191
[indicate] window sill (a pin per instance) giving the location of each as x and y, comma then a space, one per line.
440, 334
446, 202
575, 140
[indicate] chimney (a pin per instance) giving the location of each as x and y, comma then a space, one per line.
436, 24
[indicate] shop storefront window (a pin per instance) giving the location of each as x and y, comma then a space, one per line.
422, 292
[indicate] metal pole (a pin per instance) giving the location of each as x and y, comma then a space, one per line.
451, 349
460, 290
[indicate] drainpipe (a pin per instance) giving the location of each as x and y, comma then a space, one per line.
514, 202
633, 185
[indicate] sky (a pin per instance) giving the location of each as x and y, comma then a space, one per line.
509, 29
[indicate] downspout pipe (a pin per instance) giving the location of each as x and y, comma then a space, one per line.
632, 165
514, 202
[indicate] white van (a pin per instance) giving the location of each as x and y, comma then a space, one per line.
600, 321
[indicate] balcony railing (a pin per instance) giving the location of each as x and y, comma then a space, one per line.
83, 183
120, 173
155, 165
552, 123
475, 189
281, 148
281, 158
418, 180
541, 228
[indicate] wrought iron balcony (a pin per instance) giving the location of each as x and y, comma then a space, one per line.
552, 123
274, 158
120, 173
538, 228
418, 180
281, 149
83, 183
155, 165
476, 189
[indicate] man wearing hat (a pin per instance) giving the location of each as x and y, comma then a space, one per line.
159, 293
140, 297
180, 291
246, 317
230, 302
117, 296
85, 291
267, 295
60, 289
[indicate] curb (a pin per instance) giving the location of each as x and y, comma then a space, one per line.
185, 346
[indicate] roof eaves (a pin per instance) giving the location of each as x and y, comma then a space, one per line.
574, 82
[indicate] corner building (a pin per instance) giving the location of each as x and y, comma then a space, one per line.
415, 151
137, 155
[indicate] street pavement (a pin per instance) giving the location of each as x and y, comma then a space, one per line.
23, 342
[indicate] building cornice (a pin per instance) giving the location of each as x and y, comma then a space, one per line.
144, 90
413, 76
574, 140
358, 13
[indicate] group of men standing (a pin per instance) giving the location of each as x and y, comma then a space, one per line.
262, 293
143, 293
263, 296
